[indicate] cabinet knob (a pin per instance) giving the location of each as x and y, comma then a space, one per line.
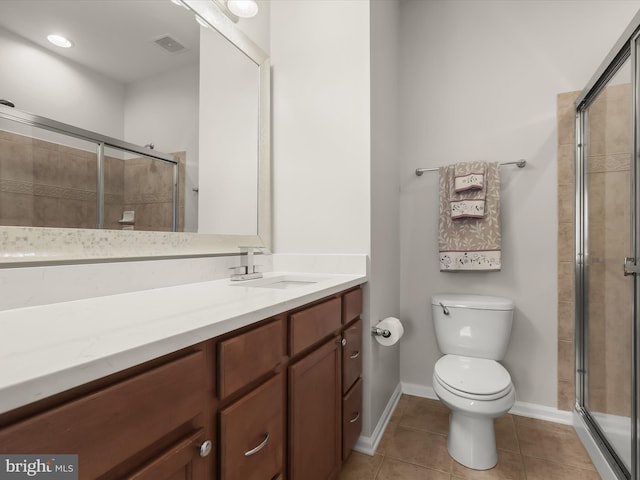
344, 342
205, 448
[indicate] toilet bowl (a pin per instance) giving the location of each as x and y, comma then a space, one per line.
476, 392
473, 333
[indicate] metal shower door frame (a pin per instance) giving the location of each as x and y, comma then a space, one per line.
627, 48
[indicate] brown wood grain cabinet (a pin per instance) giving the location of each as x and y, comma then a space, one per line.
278, 400
141, 420
252, 433
314, 414
351, 355
351, 417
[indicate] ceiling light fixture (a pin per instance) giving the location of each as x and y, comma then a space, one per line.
60, 41
202, 21
243, 8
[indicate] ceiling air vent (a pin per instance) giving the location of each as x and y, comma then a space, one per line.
169, 43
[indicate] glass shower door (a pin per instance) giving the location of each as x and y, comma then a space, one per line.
609, 302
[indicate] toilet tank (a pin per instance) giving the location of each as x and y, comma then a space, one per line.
476, 325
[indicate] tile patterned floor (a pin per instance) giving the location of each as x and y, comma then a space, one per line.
414, 447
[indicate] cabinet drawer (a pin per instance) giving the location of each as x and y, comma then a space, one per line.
351, 418
252, 434
309, 326
351, 355
246, 357
351, 305
111, 425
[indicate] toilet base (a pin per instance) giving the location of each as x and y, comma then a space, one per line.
472, 441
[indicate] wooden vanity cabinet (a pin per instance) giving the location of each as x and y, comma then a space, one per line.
244, 358
314, 414
276, 400
351, 372
252, 433
326, 365
351, 418
252, 390
351, 355
149, 426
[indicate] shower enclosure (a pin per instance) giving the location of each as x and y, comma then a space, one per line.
58, 175
607, 248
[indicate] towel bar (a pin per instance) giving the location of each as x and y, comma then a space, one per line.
520, 164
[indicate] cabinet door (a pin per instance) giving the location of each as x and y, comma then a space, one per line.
351, 355
252, 434
314, 414
182, 461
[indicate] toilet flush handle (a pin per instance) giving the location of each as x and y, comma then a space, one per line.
445, 310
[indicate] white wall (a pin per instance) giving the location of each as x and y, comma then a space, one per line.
163, 110
336, 186
229, 99
41, 82
479, 82
321, 135
382, 373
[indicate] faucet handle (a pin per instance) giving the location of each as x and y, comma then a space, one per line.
244, 269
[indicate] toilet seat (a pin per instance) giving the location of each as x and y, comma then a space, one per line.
473, 378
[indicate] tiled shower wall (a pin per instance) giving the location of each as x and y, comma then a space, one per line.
609, 152
566, 291
45, 184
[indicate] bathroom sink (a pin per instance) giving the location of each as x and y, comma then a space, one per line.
282, 282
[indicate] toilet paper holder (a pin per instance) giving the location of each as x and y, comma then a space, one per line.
380, 332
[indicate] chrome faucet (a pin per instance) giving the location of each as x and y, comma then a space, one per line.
247, 270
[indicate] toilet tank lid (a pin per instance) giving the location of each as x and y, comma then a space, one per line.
480, 302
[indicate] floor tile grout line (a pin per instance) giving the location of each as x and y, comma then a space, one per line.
555, 462
515, 429
420, 465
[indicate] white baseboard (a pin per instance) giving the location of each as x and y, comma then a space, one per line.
416, 390
368, 445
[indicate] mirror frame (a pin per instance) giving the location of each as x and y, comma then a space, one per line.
32, 246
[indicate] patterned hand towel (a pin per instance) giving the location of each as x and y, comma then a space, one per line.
470, 244
469, 176
467, 194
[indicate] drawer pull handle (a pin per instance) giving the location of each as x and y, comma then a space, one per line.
253, 451
205, 448
355, 419
354, 356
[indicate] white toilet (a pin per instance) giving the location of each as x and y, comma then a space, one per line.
473, 333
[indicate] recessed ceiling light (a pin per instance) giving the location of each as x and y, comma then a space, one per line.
60, 41
243, 8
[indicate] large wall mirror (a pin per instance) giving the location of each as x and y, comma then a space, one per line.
156, 88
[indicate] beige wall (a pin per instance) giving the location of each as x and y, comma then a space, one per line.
608, 150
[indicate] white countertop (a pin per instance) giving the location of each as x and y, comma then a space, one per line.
47, 349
